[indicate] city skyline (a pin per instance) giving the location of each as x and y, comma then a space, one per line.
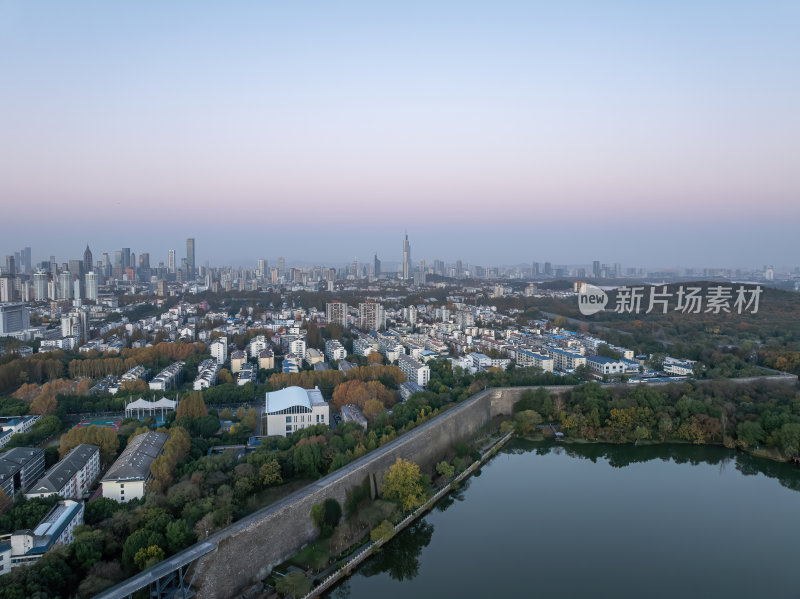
580, 126
405, 267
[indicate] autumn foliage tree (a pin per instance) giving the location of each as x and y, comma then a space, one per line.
359, 393
403, 484
102, 436
191, 406
175, 451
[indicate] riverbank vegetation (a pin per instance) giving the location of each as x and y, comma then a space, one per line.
759, 416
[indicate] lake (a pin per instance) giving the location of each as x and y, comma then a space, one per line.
601, 521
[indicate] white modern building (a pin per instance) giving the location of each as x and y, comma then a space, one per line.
128, 476
334, 350
605, 366
292, 409
219, 350
72, 476
415, 371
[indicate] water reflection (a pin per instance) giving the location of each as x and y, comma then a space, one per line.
621, 456
400, 557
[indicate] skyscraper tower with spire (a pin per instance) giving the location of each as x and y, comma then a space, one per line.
406, 274
88, 265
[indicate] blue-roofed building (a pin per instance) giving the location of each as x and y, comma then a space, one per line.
55, 529
291, 363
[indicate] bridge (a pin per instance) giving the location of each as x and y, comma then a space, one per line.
167, 579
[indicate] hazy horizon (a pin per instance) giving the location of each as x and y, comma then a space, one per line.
497, 133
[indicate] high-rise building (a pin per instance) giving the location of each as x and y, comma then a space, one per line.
281, 266
406, 274
7, 290
171, 261
596, 269
377, 266
91, 286
88, 264
40, 286
336, 312
11, 266
25, 260
263, 265
126, 258
65, 282
371, 316
14, 318
190, 257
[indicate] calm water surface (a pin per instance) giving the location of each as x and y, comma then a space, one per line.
601, 521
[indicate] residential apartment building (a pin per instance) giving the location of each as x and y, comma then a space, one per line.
170, 377
72, 477
334, 350
24, 547
415, 371
128, 476
336, 313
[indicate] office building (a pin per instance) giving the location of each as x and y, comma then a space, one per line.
92, 287
406, 264
190, 257
171, 261
14, 318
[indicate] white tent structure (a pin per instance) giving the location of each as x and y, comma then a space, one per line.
140, 407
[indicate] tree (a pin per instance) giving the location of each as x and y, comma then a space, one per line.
104, 437
148, 556
270, 473
179, 535
192, 406
750, 434
294, 584
44, 404
374, 358
383, 532
403, 484
326, 516
373, 408
445, 469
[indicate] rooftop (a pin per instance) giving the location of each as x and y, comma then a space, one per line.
134, 462
277, 401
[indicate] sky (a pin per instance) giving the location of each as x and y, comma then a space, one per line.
646, 133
